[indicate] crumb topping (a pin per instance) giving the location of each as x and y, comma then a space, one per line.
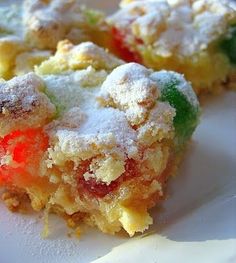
48, 22
26, 61
23, 104
104, 116
70, 57
158, 125
10, 47
158, 23
130, 89
92, 128
98, 132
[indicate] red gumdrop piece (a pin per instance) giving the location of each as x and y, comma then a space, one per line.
122, 49
101, 189
131, 169
26, 149
98, 189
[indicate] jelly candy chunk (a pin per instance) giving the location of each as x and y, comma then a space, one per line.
101, 189
21, 153
122, 49
180, 95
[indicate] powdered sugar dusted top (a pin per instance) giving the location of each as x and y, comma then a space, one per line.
23, 104
130, 89
48, 22
106, 115
108, 121
182, 26
83, 123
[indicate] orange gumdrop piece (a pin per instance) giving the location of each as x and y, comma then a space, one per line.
25, 150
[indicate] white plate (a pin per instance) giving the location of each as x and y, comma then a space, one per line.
196, 224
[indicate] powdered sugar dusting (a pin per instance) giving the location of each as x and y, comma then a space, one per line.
70, 89
158, 23
116, 117
100, 120
158, 125
23, 104
48, 22
84, 123
100, 129
129, 88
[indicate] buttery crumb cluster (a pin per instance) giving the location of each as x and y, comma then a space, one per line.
183, 27
48, 22
89, 135
31, 29
184, 35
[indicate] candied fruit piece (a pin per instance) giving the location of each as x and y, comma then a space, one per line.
228, 44
92, 16
21, 153
181, 96
101, 189
98, 189
123, 51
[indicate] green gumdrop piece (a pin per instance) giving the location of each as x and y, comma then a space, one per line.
186, 118
92, 16
228, 44
180, 96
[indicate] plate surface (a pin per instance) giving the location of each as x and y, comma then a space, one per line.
197, 222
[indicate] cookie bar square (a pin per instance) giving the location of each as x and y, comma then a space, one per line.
91, 137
